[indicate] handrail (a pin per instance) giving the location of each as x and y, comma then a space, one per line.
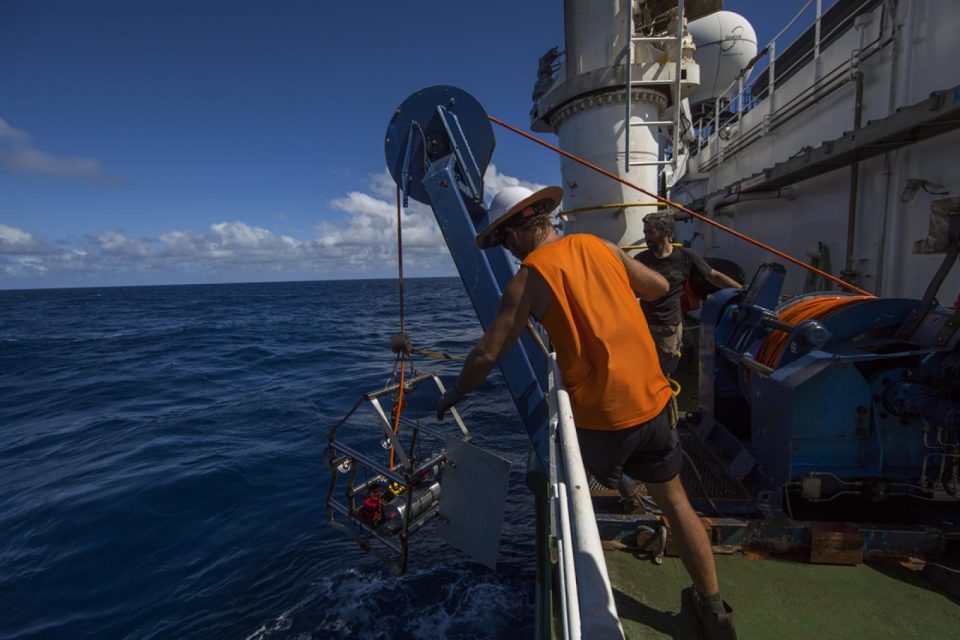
738, 104
771, 50
587, 606
793, 20
827, 84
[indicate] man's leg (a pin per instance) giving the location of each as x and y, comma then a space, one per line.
667, 339
689, 534
658, 457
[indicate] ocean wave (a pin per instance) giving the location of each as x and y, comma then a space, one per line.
458, 601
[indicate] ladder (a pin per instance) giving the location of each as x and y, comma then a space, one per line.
677, 39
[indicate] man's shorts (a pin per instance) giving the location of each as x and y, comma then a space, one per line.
668, 339
649, 452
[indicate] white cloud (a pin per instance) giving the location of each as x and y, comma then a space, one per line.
15, 241
494, 182
19, 154
232, 244
11, 135
362, 243
115, 243
373, 222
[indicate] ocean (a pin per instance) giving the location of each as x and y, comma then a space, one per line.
162, 471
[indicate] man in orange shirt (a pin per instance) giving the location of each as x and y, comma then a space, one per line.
583, 290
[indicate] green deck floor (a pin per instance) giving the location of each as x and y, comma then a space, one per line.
785, 599
781, 599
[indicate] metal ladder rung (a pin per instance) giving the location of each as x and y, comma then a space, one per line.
655, 39
643, 83
676, 82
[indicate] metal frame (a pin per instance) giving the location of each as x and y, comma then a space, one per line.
410, 475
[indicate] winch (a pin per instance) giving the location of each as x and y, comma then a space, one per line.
833, 406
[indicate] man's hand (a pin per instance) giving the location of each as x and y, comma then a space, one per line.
449, 398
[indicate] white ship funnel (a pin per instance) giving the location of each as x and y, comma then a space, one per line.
615, 49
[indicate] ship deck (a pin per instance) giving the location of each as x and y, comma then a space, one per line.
780, 597
784, 598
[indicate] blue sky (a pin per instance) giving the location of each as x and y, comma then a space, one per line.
178, 142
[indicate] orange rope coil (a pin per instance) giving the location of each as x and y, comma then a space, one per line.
814, 308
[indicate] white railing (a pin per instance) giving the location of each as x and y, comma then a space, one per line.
732, 98
586, 598
739, 96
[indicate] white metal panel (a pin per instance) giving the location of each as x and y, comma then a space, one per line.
472, 497
898, 76
597, 135
593, 34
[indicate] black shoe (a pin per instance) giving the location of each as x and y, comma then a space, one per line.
715, 626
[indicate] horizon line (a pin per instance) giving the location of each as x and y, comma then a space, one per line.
210, 284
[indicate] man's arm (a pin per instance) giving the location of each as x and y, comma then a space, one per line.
503, 332
645, 282
722, 280
714, 277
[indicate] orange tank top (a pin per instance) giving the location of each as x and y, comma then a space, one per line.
604, 349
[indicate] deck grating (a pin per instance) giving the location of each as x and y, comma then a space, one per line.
717, 483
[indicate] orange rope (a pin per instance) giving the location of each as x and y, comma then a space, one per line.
699, 216
397, 409
817, 308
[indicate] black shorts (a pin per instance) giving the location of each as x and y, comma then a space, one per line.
649, 452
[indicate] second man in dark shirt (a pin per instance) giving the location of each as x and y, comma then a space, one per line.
675, 264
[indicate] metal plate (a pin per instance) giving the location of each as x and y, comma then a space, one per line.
473, 491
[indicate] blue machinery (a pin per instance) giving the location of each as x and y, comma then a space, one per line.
438, 145
854, 419
854, 405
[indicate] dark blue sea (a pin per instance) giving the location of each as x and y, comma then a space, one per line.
162, 471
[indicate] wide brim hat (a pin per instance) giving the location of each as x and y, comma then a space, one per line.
548, 198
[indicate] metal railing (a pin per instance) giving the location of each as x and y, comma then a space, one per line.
740, 97
587, 607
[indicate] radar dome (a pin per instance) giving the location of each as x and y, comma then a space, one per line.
726, 42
